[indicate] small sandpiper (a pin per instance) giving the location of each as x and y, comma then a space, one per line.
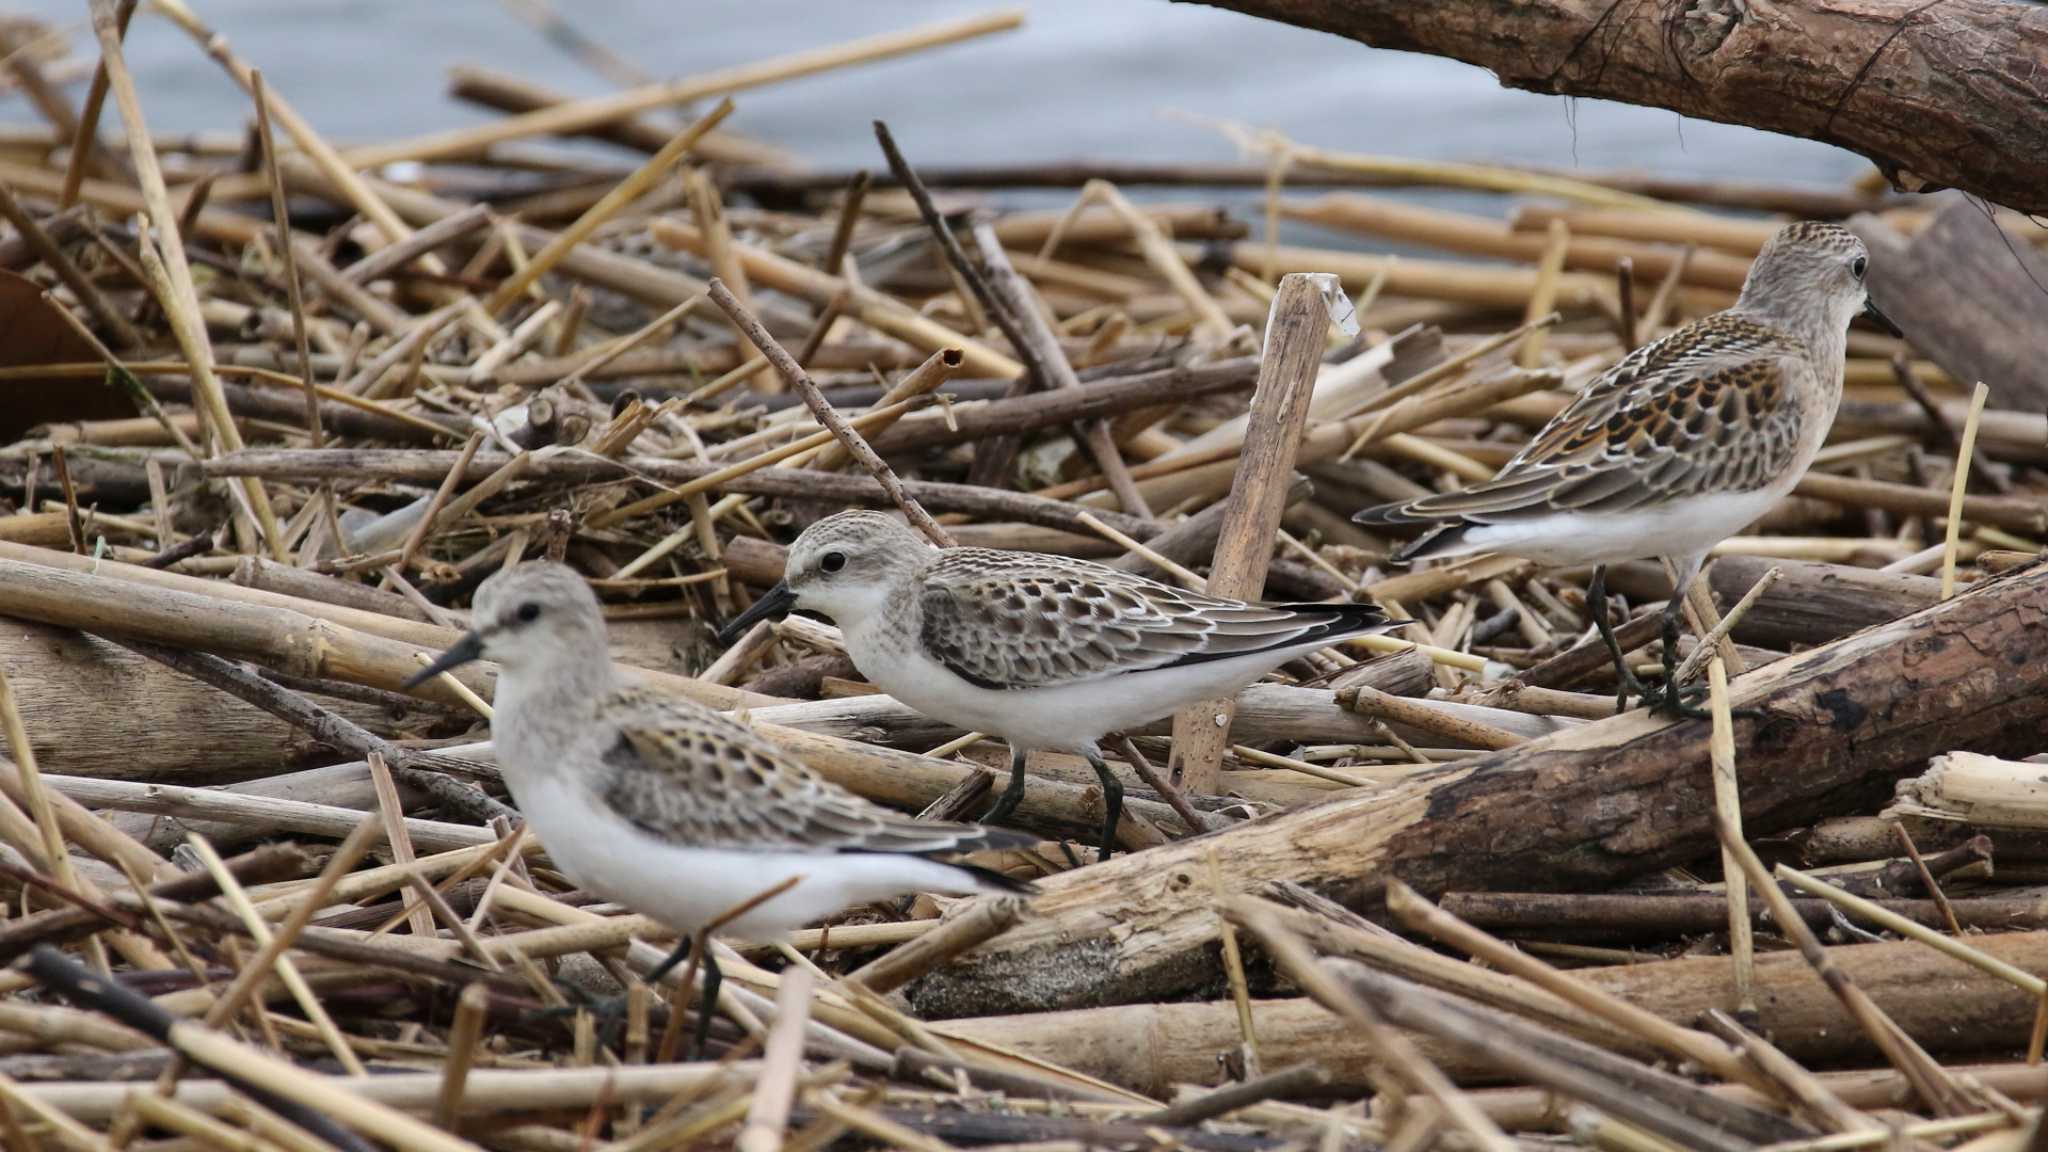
671, 809
1047, 652
1682, 444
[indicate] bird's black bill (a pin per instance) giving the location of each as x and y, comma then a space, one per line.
774, 604
1880, 319
470, 647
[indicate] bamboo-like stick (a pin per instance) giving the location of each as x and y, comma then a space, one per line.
624, 193
781, 1057
36, 799
181, 305
927, 377
1158, 251
1403, 1059
1928, 1080
1728, 806
1413, 910
1258, 496
1957, 485
579, 115
463, 1037
287, 971
883, 313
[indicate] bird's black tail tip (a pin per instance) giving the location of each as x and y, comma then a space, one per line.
990, 879
1437, 541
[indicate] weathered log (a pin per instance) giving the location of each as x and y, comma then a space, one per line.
1943, 1003
1580, 809
1940, 95
1973, 299
1815, 603
93, 708
1618, 916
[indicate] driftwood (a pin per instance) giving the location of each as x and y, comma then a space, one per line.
1944, 1004
55, 669
1943, 95
1608, 800
1815, 603
1978, 299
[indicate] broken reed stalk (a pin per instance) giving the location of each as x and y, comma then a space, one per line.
1728, 808
287, 257
1280, 405
181, 302
625, 192
1964, 449
1403, 1061
287, 971
1950, 945
848, 437
1920, 1070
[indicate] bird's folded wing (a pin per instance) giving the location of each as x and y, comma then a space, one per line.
703, 781
1007, 620
1674, 419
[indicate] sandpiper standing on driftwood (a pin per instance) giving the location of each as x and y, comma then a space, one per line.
668, 807
1045, 651
1683, 443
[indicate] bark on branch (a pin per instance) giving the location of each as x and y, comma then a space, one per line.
1580, 809
1937, 95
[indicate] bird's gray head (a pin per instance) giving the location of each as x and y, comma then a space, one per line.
1813, 269
531, 617
844, 566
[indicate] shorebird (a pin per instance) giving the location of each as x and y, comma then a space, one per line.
1683, 443
1046, 652
672, 809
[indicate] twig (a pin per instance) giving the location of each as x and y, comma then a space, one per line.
418, 535
1920, 1071
981, 922
823, 411
624, 193
1400, 1059
302, 1098
1927, 880
1157, 781
330, 728
85, 142
287, 971
80, 285
1710, 643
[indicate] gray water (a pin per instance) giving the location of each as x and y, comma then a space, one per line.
1112, 79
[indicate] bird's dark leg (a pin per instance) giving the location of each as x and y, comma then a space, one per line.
1625, 681
1671, 698
1112, 801
675, 957
1676, 699
1006, 804
707, 1007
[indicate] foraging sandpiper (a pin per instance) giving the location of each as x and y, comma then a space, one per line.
1683, 443
1046, 652
668, 807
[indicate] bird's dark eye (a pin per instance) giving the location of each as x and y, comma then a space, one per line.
1857, 266
832, 562
528, 612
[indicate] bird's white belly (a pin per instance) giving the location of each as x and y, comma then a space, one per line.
1685, 527
687, 887
1068, 717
